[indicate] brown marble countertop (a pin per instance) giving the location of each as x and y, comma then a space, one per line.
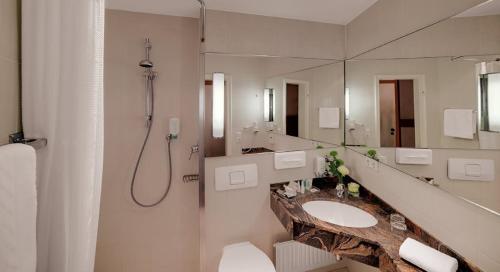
377, 246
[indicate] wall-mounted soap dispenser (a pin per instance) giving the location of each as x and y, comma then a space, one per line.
174, 128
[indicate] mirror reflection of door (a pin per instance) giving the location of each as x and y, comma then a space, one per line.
214, 147
397, 113
292, 109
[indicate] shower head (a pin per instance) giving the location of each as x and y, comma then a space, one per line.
146, 63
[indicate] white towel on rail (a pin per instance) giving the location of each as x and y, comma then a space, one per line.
329, 117
459, 123
17, 208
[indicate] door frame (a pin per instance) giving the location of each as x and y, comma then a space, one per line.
397, 128
419, 97
305, 85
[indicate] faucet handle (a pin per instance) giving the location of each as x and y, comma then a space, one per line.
194, 149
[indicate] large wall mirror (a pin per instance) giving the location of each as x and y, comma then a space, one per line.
9, 69
428, 104
256, 104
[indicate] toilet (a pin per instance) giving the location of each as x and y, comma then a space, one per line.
244, 257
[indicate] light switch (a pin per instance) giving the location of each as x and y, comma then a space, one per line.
237, 177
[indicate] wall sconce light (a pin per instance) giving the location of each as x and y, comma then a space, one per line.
218, 105
347, 98
269, 105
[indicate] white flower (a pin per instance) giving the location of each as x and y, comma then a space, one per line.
344, 171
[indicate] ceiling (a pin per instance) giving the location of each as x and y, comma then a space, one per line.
491, 7
326, 11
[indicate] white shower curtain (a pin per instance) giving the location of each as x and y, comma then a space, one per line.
62, 100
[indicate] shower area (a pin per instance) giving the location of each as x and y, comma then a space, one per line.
151, 104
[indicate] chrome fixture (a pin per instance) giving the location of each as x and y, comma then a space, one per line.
194, 149
190, 178
150, 76
146, 63
429, 180
36, 143
203, 14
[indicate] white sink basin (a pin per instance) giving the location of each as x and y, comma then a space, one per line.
339, 214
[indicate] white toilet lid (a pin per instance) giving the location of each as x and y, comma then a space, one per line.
244, 257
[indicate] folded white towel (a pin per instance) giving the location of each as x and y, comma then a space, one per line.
329, 117
17, 208
459, 123
427, 257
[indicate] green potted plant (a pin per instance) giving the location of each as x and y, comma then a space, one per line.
336, 166
372, 154
337, 169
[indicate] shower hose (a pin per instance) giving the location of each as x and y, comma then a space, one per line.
138, 162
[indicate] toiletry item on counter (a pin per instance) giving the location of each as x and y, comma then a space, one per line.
427, 257
314, 190
340, 188
398, 222
283, 193
319, 166
302, 186
289, 191
353, 189
294, 185
307, 184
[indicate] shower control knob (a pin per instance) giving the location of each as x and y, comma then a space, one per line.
194, 149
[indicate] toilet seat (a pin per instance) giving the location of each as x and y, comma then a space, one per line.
244, 257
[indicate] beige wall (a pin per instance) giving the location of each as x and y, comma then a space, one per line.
389, 19
10, 62
471, 231
245, 215
459, 36
164, 238
252, 34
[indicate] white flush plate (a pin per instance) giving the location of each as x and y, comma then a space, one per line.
413, 156
236, 177
286, 160
471, 169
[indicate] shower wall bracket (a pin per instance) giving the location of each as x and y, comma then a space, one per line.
36, 143
203, 15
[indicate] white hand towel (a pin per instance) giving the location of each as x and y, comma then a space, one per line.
459, 123
17, 208
427, 257
329, 117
